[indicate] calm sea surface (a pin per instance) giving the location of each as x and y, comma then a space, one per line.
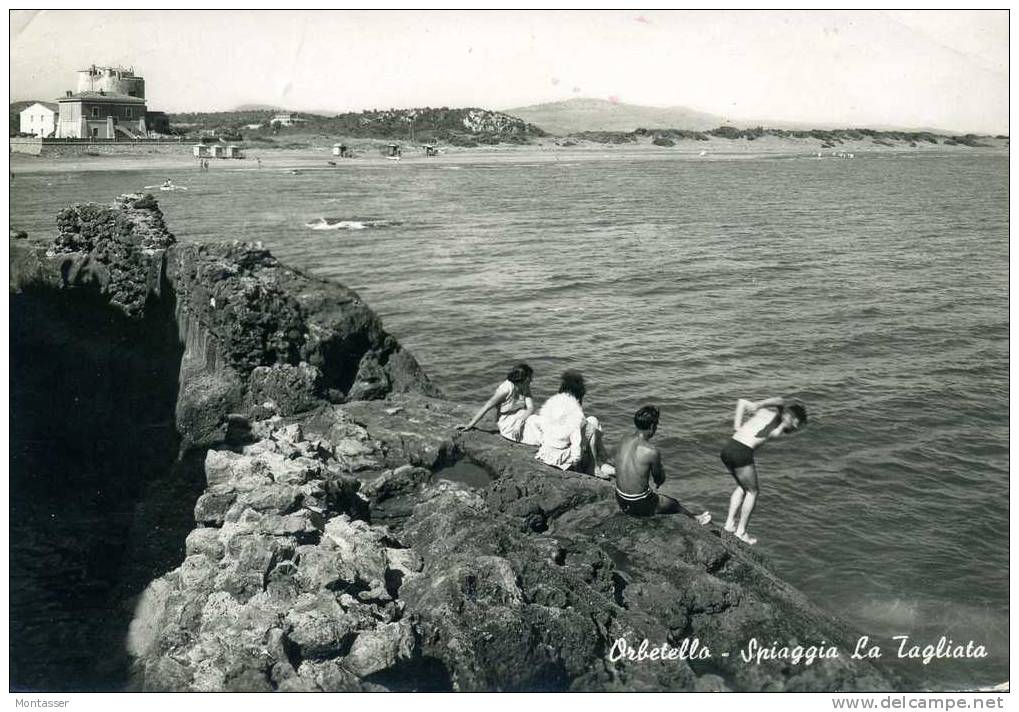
875, 289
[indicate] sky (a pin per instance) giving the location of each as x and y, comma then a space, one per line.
914, 69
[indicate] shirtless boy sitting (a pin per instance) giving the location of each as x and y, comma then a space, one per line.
768, 419
637, 461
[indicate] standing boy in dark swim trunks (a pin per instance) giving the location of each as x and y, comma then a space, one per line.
637, 461
769, 419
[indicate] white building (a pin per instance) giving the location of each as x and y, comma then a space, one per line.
286, 118
40, 119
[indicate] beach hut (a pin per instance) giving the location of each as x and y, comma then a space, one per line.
341, 150
391, 150
216, 151
200, 150
431, 151
232, 151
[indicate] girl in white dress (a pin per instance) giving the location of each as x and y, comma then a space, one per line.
512, 403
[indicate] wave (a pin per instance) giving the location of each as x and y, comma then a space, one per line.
350, 223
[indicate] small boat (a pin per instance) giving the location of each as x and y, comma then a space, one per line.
331, 163
164, 186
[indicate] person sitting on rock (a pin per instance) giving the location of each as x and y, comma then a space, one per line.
769, 419
566, 438
637, 463
512, 404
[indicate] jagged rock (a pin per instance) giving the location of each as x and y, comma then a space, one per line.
381, 648
332, 676
197, 572
212, 508
360, 547
300, 525
291, 389
319, 627
403, 480
321, 568
205, 541
272, 498
219, 468
371, 381
405, 561
148, 610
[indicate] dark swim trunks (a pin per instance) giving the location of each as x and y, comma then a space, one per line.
735, 455
638, 505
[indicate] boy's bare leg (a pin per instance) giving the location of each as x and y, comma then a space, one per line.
670, 505
596, 448
735, 501
747, 478
749, 500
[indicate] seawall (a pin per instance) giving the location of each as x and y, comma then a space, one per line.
57, 148
226, 475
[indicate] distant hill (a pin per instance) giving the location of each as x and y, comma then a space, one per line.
257, 107
577, 115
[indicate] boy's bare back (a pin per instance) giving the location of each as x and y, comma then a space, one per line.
637, 461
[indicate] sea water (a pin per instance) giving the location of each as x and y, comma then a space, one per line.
874, 289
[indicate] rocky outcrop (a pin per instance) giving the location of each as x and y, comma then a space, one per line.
131, 354
332, 554
288, 514
259, 336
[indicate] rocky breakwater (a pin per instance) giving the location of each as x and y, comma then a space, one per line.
311, 535
131, 353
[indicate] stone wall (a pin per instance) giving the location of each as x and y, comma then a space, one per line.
57, 148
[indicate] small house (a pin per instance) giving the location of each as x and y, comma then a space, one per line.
201, 150
216, 151
232, 151
40, 119
286, 118
392, 150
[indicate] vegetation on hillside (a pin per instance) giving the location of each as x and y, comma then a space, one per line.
459, 127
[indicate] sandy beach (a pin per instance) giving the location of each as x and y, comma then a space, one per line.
318, 153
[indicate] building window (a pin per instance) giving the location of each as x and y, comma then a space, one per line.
95, 112
127, 112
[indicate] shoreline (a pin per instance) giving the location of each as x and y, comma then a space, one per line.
543, 151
